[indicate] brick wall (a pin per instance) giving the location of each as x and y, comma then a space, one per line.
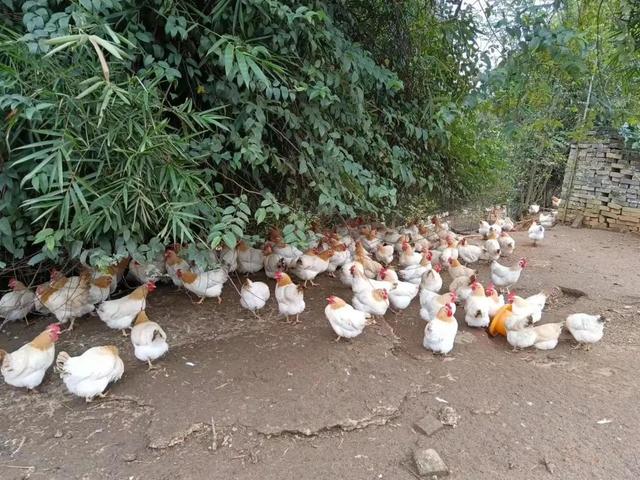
602, 182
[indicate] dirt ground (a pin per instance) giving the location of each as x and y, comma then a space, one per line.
286, 402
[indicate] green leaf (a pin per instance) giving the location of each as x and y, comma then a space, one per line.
229, 239
228, 59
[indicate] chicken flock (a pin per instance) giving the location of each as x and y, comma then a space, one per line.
386, 269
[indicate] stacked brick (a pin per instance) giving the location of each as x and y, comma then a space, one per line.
602, 183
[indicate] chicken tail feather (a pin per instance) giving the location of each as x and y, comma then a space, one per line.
61, 360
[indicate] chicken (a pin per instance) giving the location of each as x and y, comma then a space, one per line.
505, 277
272, 262
290, 297
26, 367
346, 275
449, 252
116, 271
496, 301
374, 302
507, 225
536, 233
397, 246
534, 208
346, 321
173, 263
432, 280
384, 253
149, 339
67, 298
370, 241
431, 303
100, 289
120, 313
147, 272
206, 284
361, 283
491, 249
507, 244
462, 287
371, 267
484, 228
250, 260
586, 329
521, 334
290, 253
547, 220
467, 252
341, 255
440, 332
414, 273
409, 257
456, 269
89, 374
402, 293
477, 307
311, 264
556, 202
17, 303
528, 307
254, 295
229, 259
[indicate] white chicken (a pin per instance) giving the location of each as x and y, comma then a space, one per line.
505, 277
507, 225
66, 298
149, 339
462, 287
496, 301
431, 302
205, 284
254, 295
547, 220
273, 262
250, 260
521, 334
476, 310
534, 208
341, 255
402, 293
346, 321
440, 332
25, 368
374, 302
120, 313
142, 273
484, 228
491, 249
100, 289
507, 244
450, 251
88, 375
528, 307
16, 304
409, 257
311, 264
361, 283
414, 273
290, 297
432, 280
228, 258
536, 233
467, 252
384, 253
586, 329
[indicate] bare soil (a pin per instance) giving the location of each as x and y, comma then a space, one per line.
286, 402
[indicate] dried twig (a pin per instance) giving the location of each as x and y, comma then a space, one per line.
19, 446
214, 440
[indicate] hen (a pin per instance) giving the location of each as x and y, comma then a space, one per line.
67, 298
89, 374
586, 329
100, 289
505, 277
402, 293
384, 253
507, 244
17, 303
476, 310
432, 280
25, 368
409, 256
346, 321
206, 284
456, 269
254, 295
374, 302
250, 260
290, 297
536, 233
120, 313
469, 253
173, 263
311, 264
431, 303
414, 273
149, 339
440, 332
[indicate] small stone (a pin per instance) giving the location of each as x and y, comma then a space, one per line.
129, 457
448, 416
429, 463
428, 425
550, 466
58, 434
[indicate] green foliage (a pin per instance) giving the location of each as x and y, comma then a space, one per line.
135, 124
